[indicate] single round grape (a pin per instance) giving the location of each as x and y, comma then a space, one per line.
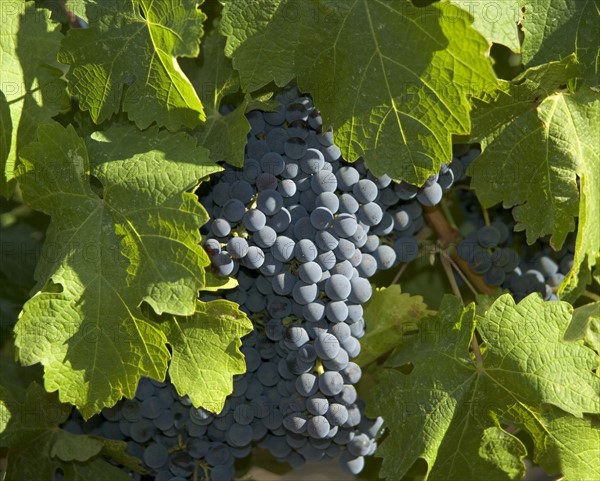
233, 210
156, 456
347, 176
345, 249
223, 264
328, 200
312, 161
385, 256
237, 247
336, 311
266, 181
430, 195
488, 236
546, 265
268, 374
220, 227
367, 266
351, 345
280, 221
254, 220
337, 287
273, 163
347, 396
345, 225
239, 435
251, 171
337, 363
276, 117
220, 193
304, 293
269, 201
327, 346
295, 337
318, 427
212, 247
317, 405
365, 191
348, 204
287, 188
313, 311
323, 181
370, 214
331, 382
481, 261
310, 272
295, 423
495, 276
254, 258
337, 414
352, 373
305, 251
283, 249
306, 384
321, 218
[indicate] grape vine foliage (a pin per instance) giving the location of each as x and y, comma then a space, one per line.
251, 235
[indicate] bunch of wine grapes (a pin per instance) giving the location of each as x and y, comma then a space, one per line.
302, 231
503, 258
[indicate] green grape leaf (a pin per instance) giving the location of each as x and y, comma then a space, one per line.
77, 7
584, 109
128, 54
94, 470
586, 325
553, 29
389, 316
32, 90
213, 77
393, 107
534, 134
34, 422
442, 410
496, 21
37, 446
563, 444
124, 230
206, 352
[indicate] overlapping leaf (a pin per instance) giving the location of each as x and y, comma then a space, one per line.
31, 90
537, 138
496, 21
213, 77
390, 315
555, 29
447, 410
37, 447
124, 230
206, 352
563, 444
129, 54
391, 78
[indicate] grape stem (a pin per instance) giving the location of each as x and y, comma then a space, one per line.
591, 295
448, 238
474, 344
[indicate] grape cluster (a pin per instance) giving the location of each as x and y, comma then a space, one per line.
302, 231
496, 252
541, 272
